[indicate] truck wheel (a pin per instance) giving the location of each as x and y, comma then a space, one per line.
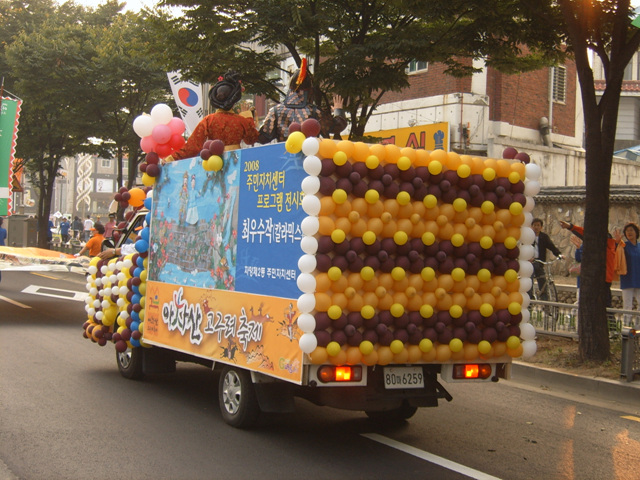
404, 412
130, 363
237, 397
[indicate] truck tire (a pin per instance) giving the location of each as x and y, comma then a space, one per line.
396, 415
130, 363
237, 397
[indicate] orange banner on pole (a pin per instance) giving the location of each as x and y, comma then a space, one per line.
256, 332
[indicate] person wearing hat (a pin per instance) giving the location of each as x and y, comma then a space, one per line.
297, 107
110, 225
224, 124
94, 244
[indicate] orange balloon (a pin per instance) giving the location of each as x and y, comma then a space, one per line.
488, 298
355, 280
499, 348
389, 229
414, 302
460, 229
472, 281
474, 233
513, 286
503, 168
476, 214
446, 232
445, 303
439, 155
519, 168
431, 214
400, 298
513, 232
405, 225
448, 211
339, 359
343, 209
347, 147
355, 304
503, 215
386, 280
361, 151
385, 302
354, 355
327, 206
517, 220
422, 158
489, 218
375, 210
515, 352
392, 153
323, 301
430, 356
477, 166
323, 283
500, 282
326, 225
502, 301
327, 148
474, 302
385, 356
339, 299
375, 225
378, 150
344, 224
370, 298
453, 161
392, 206
445, 281
429, 298
358, 228
488, 231
418, 229
410, 153
401, 357
414, 354
137, 197
339, 285
416, 281
470, 351
459, 299
461, 217
405, 211
443, 353
360, 205
319, 356
371, 359
515, 297
459, 355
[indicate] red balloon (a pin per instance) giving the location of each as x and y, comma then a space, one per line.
310, 127
294, 127
153, 170
177, 141
509, 153
164, 150
523, 157
148, 144
205, 154
217, 147
142, 167
152, 157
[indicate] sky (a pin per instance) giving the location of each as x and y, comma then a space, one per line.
133, 5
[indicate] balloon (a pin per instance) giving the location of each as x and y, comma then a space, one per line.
527, 236
527, 331
161, 133
308, 343
177, 126
310, 128
153, 170
294, 142
310, 146
526, 268
163, 150
529, 348
310, 225
148, 180
161, 114
177, 141
137, 197
306, 282
311, 205
531, 188
306, 323
148, 144
310, 185
525, 284
312, 165
309, 245
143, 126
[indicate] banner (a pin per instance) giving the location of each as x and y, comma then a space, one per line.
9, 114
188, 97
429, 137
223, 261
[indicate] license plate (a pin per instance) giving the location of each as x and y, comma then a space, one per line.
403, 377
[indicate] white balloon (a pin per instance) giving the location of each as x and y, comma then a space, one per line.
161, 114
111, 266
98, 282
119, 265
106, 292
124, 314
309, 245
113, 279
526, 301
143, 126
96, 303
527, 331
526, 268
311, 204
306, 283
121, 302
307, 263
308, 342
103, 269
150, 194
529, 204
310, 225
529, 349
528, 219
115, 290
310, 146
527, 236
532, 171
106, 304
91, 312
92, 269
525, 285
312, 165
93, 291
307, 323
532, 187
526, 252
99, 315
306, 302
128, 263
310, 185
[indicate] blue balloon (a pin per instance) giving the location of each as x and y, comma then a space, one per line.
144, 233
137, 272
140, 262
135, 317
136, 298
147, 203
135, 324
142, 245
147, 219
135, 289
134, 342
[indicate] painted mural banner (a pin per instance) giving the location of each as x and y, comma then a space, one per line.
223, 259
9, 115
429, 137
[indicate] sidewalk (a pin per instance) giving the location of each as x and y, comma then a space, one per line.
620, 392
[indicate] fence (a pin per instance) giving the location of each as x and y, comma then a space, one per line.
558, 318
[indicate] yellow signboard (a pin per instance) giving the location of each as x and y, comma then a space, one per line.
429, 137
252, 331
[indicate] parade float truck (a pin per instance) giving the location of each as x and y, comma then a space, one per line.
352, 275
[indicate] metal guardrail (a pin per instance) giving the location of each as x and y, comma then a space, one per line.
562, 319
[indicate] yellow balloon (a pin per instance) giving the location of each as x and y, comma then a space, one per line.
404, 163
459, 204
513, 342
338, 236
371, 196
425, 345
428, 238
435, 167
339, 196
488, 174
486, 242
400, 238
515, 209
428, 274
455, 311
215, 163
398, 274
510, 275
366, 347
426, 311
430, 201
367, 273
510, 243
367, 312
403, 198
458, 274
372, 162
396, 346
334, 312
514, 308
294, 142
397, 310
486, 309
340, 158
484, 275
456, 345
147, 181
487, 207
457, 239
464, 171
484, 347
333, 349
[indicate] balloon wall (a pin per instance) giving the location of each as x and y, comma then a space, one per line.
413, 256
115, 305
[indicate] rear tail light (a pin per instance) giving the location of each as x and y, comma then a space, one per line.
469, 371
343, 373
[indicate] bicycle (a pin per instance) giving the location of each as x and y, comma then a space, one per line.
549, 293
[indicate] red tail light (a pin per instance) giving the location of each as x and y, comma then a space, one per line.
471, 371
343, 373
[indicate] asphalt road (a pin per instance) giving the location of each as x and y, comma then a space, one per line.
66, 413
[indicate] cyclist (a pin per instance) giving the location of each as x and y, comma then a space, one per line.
541, 244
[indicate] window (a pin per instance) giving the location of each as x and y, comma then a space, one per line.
105, 163
415, 66
559, 84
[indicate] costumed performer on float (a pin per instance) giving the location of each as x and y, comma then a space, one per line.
297, 107
224, 124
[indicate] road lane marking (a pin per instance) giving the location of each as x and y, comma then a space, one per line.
443, 462
17, 304
45, 276
631, 417
56, 293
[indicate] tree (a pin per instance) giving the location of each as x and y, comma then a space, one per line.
358, 49
604, 28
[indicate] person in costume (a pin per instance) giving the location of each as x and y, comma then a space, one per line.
224, 124
297, 107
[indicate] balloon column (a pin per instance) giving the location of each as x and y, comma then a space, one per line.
410, 255
115, 305
161, 134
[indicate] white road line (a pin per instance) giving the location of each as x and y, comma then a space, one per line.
13, 302
51, 292
443, 462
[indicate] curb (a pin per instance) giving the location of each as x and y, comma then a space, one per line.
611, 390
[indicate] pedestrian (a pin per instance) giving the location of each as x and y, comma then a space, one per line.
630, 282
76, 226
50, 227
541, 244
297, 107
110, 225
224, 124
64, 229
87, 226
3, 238
94, 244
